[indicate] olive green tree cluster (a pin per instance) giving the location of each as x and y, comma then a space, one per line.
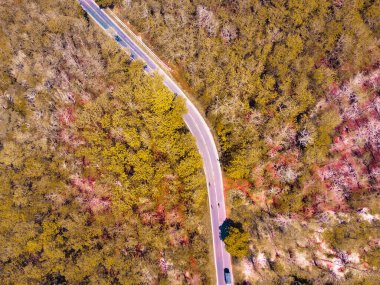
101, 180
357, 235
107, 3
237, 242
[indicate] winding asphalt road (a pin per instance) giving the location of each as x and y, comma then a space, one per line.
195, 123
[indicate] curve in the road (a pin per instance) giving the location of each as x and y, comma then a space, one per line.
197, 126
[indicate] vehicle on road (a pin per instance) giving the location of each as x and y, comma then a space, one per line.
117, 38
227, 276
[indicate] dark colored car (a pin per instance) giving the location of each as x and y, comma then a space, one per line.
118, 39
227, 276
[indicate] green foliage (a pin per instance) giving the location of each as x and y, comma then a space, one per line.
100, 177
285, 56
236, 241
356, 236
320, 148
107, 3
266, 91
5, 58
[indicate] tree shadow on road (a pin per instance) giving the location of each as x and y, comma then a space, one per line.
224, 228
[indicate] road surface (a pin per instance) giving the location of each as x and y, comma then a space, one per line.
197, 126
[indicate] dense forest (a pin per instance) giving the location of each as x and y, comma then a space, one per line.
101, 182
291, 89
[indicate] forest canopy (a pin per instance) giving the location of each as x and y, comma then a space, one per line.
101, 182
291, 89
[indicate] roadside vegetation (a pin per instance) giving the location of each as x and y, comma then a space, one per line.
107, 3
101, 182
292, 91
